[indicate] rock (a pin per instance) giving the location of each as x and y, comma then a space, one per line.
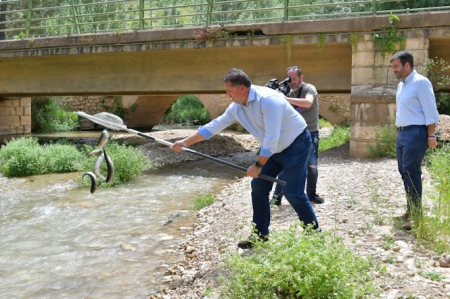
444, 261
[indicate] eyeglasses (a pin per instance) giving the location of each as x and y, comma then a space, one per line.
292, 68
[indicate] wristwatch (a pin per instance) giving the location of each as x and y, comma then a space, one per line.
258, 164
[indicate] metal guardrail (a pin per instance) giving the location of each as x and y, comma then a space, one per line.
29, 18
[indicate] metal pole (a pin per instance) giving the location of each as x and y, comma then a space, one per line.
2, 19
141, 14
374, 7
74, 15
208, 13
29, 14
286, 10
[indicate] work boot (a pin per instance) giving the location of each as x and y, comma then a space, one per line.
252, 240
316, 199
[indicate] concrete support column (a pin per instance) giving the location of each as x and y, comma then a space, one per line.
372, 100
15, 116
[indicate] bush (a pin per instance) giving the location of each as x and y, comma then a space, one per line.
203, 201
339, 136
25, 157
385, 142
436, 68
47, 117
299, 264
128, 162
187, 110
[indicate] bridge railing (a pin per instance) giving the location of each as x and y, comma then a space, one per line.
32, 18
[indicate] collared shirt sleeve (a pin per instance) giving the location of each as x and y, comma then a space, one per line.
272, 109
217, 125
428, 102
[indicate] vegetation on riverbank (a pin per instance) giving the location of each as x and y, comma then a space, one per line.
297, 263
48, 117
25, 156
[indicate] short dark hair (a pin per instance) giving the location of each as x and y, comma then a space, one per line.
294, 68
237, 77
404, 56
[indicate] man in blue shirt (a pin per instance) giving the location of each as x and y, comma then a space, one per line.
285, 144
416, 121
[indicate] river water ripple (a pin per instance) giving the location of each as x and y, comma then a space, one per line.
61, 241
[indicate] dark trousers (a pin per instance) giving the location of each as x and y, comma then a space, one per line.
412, 144
293, 162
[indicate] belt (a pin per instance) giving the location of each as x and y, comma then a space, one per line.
409, 127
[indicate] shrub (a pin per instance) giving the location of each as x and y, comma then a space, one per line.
187, 110
436, 68
47, 116
24, 157
338, 137
203, 201
128, 162
299, 264
385, 142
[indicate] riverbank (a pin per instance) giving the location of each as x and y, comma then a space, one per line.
361, 197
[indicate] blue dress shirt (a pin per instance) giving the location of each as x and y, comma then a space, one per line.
416, 103
267, 116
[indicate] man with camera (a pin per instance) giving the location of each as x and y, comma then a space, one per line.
303, 97
284, 141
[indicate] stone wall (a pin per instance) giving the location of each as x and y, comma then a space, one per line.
15, 116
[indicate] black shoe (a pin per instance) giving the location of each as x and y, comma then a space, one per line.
317, 199
276, 199
252, 240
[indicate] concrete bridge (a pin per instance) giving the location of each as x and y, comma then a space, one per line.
338, 56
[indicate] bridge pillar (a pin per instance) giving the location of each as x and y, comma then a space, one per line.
15, 115
372, 100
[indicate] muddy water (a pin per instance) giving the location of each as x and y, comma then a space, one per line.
61, 241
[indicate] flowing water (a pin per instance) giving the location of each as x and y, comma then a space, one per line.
61, 241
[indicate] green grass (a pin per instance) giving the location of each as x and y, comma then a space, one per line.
295, 263
339, 136
385, 142
203, 201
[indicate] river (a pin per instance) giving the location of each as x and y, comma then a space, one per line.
61, 241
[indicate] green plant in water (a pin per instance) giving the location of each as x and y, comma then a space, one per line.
387, 40
203, 201
385, 142
286, 40
297, 263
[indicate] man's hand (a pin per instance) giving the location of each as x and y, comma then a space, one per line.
432, 142
177, 145
254, 171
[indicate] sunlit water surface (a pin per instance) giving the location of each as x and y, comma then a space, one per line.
61, 241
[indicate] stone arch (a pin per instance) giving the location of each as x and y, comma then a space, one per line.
215, 104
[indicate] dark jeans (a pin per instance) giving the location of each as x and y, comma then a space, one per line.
313, 173
293, 162
412, 144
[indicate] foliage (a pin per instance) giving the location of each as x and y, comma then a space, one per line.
299, 264
435, 230
47, 116
187, 110
25, 157
385, 142
387, 40
436, 68
128, 161
339, 136
203, 201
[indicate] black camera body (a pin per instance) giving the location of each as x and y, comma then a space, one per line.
282, 86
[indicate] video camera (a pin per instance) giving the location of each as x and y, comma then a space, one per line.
283, 86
